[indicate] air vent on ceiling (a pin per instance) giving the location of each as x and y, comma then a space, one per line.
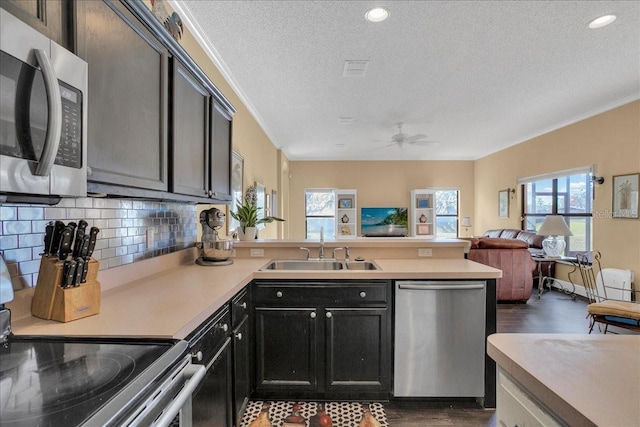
355, 68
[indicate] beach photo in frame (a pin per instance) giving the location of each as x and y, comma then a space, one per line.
625, 195
503, 203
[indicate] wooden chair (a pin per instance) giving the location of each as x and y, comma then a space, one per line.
608, 291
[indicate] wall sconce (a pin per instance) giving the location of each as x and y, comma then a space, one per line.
598, 179
512, 192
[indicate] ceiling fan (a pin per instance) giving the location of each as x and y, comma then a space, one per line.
400, 139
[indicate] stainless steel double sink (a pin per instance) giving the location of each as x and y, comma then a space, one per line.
321, 265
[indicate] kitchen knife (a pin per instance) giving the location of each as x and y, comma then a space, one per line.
65, 243
85, 270
93, 236
58, 226
77, 279
77, 242
68, 273
48, 238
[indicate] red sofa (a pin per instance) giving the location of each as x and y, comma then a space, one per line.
512, 256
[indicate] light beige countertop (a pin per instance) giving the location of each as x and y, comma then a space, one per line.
171, 297
583, 379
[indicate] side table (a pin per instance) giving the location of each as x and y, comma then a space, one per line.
542, 279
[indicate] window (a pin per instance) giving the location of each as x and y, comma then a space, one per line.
447, 213
569, 196
320, 210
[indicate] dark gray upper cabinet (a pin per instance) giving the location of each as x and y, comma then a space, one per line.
54, 19
128, 87
221, 154
158, 127
190, 133
201, 139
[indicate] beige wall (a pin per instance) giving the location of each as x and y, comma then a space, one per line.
379, 183
610, 140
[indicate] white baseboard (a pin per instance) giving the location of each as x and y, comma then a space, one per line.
564, 285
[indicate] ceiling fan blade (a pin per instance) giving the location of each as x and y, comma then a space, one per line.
415, 137
424, 143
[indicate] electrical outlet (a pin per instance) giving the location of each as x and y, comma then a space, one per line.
425, 252
257, 253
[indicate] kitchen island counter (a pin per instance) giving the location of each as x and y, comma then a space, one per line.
582, 379
170, 296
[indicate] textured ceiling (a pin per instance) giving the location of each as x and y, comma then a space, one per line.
474, 76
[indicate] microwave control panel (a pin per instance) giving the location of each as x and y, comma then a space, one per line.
70, 149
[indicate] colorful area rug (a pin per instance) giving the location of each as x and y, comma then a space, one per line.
341, 414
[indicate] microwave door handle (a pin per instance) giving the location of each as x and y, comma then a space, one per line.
54, 107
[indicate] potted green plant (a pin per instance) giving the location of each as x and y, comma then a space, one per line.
247, 215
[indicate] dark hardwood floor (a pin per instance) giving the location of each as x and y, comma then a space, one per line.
555, 312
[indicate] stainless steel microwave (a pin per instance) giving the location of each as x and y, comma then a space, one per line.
43, 116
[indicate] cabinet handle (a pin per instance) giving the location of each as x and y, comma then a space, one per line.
239, 336
244, 305
197, 357
363, 294
313, 315
224, 327
279, 294
328, 315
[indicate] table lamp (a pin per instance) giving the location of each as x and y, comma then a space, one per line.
466, 223
553, 227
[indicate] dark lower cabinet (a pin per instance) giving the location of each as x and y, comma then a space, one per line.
211, 404
322, 340
241, 369
357, 355
286, 349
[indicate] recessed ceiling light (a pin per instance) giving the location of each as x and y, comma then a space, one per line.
602, 21
377, 14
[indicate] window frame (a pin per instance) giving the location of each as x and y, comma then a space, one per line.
306, 217
455, 216
555, 195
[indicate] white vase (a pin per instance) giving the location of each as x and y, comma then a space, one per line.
248, 234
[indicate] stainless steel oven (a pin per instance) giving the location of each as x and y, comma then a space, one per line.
43, 116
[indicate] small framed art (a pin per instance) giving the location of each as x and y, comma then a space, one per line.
345, 203
625, 196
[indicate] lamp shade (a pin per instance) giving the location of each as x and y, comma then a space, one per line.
466, 221
554, 225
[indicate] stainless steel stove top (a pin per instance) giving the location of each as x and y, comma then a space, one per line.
55, 381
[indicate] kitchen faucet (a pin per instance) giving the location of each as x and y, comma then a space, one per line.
346, 253
321, 249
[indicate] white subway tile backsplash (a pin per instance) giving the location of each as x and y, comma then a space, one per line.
123, 226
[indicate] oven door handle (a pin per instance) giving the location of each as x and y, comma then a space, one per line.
193, 375
54, 107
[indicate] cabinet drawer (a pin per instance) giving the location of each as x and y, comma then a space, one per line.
211, 335
348, 293
239, 307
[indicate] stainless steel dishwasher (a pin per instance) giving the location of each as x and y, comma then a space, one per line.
439, 338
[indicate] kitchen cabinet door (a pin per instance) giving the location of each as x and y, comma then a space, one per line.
221, 154
128, 88
54, 19
357, 350
211, 403
241, 369
286, 349
190, 134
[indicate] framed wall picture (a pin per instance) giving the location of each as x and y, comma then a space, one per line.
345, 203
503, 203
261, 202
424, 229
237, 176
625, 196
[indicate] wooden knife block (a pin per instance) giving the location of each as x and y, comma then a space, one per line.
51, 301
